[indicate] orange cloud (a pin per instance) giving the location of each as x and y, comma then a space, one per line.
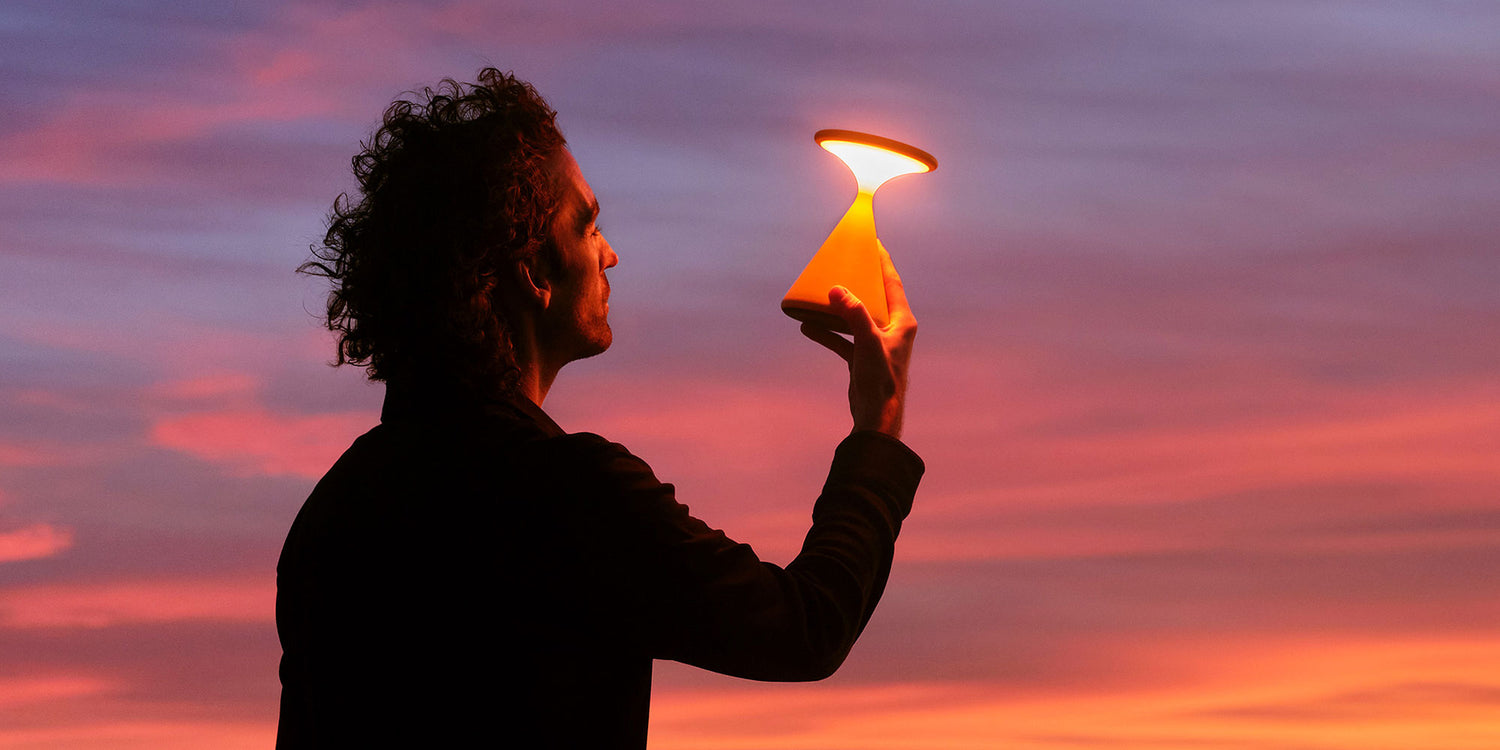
1332, 694
157, 735
256, 441
33, 542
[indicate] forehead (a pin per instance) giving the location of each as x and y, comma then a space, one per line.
573, 191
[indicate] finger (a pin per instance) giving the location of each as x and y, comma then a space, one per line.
895, 290
829, 340
852, 310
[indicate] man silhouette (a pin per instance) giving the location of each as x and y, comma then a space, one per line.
470, 575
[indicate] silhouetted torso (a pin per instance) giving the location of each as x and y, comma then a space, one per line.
468, 573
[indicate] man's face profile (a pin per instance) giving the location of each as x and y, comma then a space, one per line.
577, 316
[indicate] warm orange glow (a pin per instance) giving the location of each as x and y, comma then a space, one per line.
158, 734
1232, 690
872, 165
850, 256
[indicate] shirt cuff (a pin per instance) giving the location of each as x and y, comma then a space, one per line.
875, 459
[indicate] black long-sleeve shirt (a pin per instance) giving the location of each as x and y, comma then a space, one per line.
468, 574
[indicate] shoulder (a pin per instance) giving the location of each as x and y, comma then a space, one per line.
587, 459
592, 448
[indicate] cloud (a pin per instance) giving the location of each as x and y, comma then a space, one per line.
157, 735
221, 386
1409, 700
1193, 708
24, 691
1206, 365
152, 601
34, 453
257, 441
33, 542
16, 454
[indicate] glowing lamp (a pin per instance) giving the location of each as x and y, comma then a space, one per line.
850, 256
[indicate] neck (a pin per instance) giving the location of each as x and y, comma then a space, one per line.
535, 382
537, 373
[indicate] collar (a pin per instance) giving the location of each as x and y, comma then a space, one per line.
434, 402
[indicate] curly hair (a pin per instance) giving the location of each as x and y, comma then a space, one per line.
453, 188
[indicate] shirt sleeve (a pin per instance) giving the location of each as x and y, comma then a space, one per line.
674, 588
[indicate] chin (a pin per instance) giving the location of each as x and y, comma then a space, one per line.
596, 343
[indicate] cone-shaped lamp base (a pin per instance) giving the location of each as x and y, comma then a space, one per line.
848, 258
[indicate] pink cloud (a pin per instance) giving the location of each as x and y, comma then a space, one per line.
179, 344
311, 62
257, 441
98, 137
33, 542
308, 66
18, 454
1026, 441
99, 605
23, 691
214, 386
49, 399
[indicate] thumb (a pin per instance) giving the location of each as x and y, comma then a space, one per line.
852, 310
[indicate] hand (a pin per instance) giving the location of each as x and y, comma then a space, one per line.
878, 357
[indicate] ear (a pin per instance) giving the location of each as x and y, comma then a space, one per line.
533, 284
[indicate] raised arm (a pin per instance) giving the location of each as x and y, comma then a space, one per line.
679, 589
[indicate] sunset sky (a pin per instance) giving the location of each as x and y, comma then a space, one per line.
1207, 384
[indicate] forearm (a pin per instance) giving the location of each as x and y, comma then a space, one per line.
800, 623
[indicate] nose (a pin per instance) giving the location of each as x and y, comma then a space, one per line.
610, 259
